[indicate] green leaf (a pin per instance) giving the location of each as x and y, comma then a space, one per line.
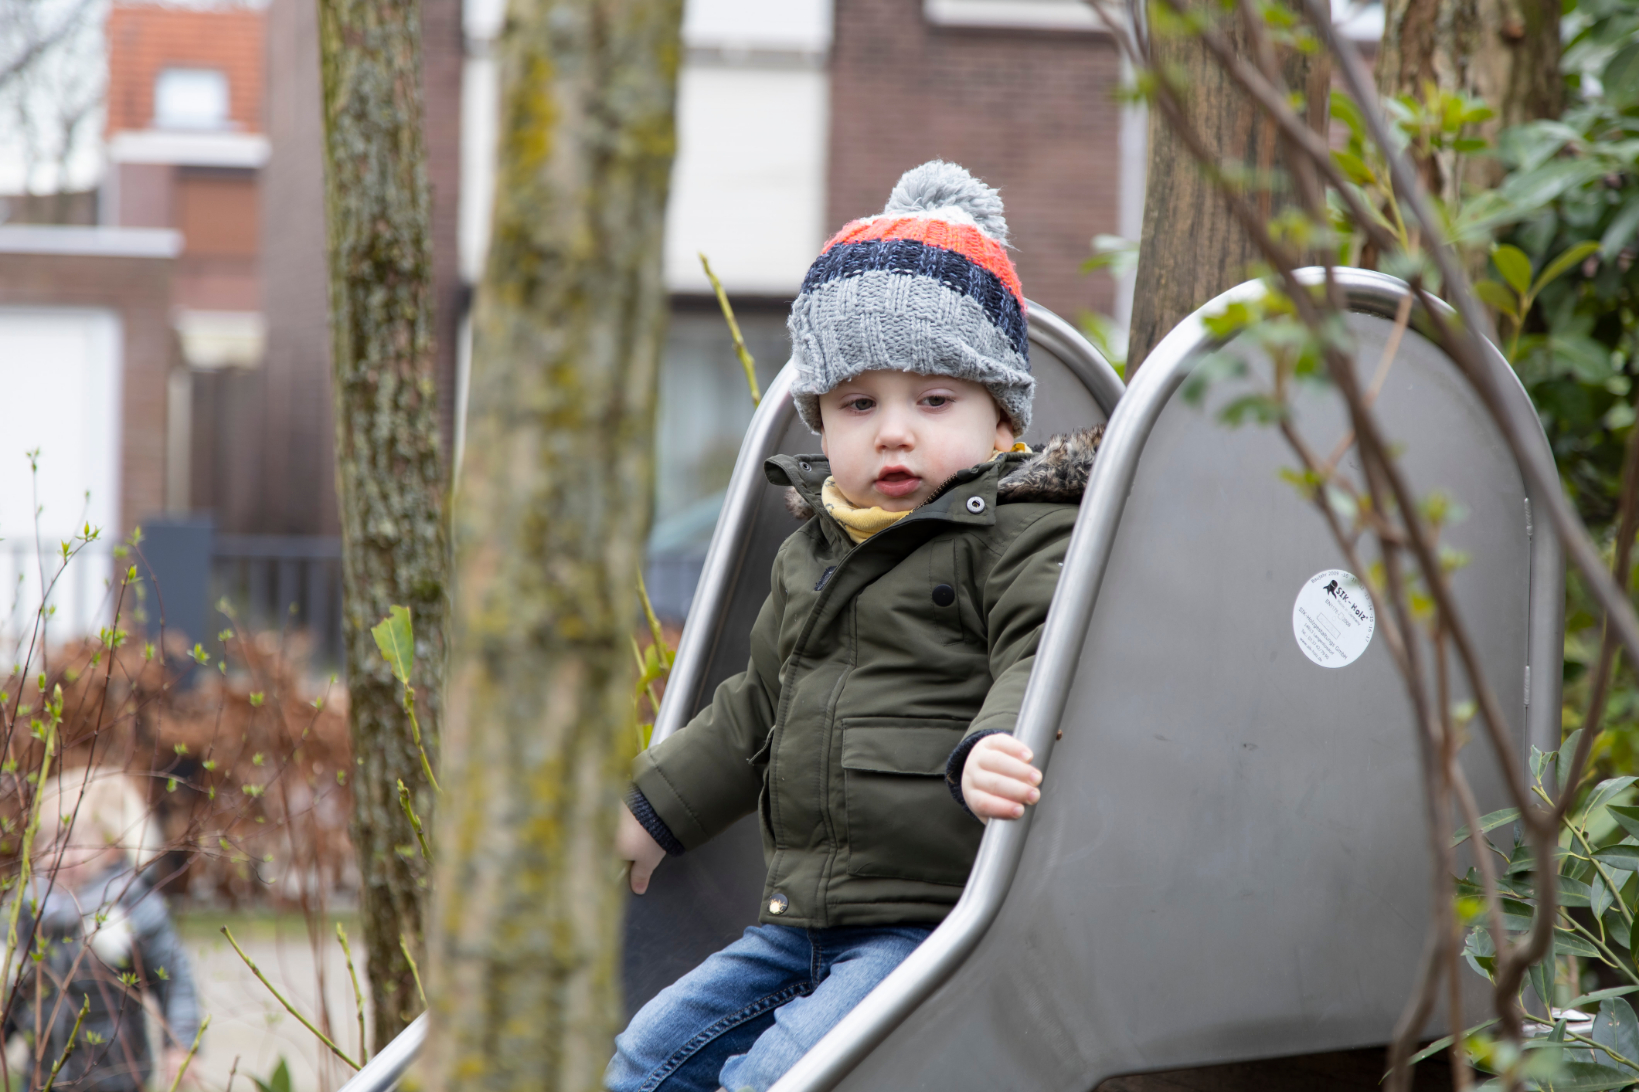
1599, 896
1625, 857
1583, 1076
1347, 111
1440, 1044
1539, 762
397, 642
1582, 356
1574, 892
1604, 792
1557, 267
1514, 266
1620, 79
1498, 295
278, 1081
1488, 823
1562, 761
1621, 229
1569, 943
1627, 817
1618, 1028
1354, 168
1538, 976
1600, 995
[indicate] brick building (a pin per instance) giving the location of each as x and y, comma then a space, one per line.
1023, 97
792, 118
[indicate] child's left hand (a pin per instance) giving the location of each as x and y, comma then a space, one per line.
998, 780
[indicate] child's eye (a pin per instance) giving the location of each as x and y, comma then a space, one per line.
934, 401
859, 405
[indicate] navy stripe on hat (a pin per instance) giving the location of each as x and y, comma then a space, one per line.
913, 258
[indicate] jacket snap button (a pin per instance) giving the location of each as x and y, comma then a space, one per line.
943, 595
975, 505
777, 904
806, 467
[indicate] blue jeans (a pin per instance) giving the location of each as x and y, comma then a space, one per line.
745, 1015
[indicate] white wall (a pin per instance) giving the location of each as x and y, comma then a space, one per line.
748, 186
60, 369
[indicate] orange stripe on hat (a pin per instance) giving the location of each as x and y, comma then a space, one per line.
963, 239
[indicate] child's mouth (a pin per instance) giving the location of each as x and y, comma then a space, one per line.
898, 483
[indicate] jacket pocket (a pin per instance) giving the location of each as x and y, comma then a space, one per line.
902, 821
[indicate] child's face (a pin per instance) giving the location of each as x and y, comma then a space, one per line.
893, 438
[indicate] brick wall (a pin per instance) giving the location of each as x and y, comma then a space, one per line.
145, 38
1031, 112
139, 289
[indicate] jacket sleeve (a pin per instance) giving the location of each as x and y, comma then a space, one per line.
166, 968
703, 778
1017, 592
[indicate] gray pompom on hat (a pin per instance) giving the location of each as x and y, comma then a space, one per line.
925, 287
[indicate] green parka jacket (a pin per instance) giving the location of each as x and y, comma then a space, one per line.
873, 670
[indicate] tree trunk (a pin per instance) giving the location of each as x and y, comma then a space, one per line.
389, 469
553, 509
1503, 51
1192, 248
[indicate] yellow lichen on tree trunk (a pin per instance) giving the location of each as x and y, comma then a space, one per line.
551, 513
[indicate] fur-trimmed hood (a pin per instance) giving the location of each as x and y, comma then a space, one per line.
1057, 474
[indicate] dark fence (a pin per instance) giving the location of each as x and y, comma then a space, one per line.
283, 583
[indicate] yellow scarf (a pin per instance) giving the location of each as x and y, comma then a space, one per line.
862, 523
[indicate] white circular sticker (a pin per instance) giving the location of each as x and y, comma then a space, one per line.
1333, 618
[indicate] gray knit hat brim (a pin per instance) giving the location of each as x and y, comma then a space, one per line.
880, 321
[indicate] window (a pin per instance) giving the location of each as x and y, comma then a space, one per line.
191, 98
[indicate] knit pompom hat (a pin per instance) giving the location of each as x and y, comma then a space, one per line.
926, 287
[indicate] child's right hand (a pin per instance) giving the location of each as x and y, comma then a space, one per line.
997, 779
633, 843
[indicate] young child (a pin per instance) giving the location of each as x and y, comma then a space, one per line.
872, 728
91, 928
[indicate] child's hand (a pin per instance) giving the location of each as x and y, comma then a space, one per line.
997, 780
633, 843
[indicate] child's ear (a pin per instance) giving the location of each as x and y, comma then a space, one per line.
824, 450
1004, 427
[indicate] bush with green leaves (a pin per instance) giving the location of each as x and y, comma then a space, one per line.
1589, 1039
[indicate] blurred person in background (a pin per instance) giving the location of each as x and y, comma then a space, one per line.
93, 928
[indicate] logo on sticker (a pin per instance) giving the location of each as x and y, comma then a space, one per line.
1333, 619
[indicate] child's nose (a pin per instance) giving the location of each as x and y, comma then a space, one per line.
893, 429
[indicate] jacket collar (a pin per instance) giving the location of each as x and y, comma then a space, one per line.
967, 499
1057, 474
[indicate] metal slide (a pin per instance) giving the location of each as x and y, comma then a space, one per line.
1229, 861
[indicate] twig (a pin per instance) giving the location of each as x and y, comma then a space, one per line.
358, 995
415, 732
415, 972
305, 1022
740, 349
68, 1048
183, 1068
232, 1073
415, 825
